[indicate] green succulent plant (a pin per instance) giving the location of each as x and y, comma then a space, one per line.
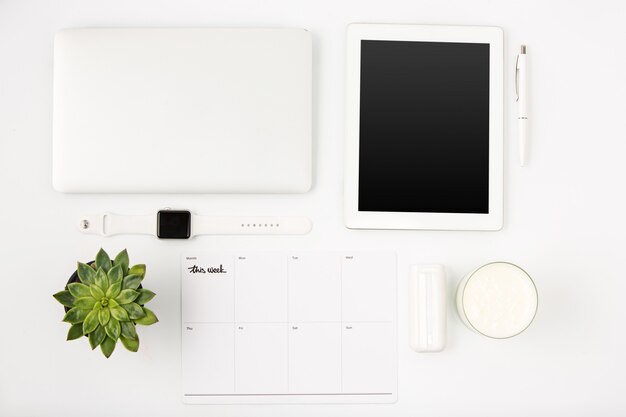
107, 303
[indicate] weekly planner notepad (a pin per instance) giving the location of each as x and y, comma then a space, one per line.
269, 327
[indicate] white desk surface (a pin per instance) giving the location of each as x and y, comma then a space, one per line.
564, 219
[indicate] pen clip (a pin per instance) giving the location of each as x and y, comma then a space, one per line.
517, 78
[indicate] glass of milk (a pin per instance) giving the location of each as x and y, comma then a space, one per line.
498, 300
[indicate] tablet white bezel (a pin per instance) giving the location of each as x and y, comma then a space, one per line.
428, 221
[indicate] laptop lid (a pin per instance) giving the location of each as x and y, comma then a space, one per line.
182, 111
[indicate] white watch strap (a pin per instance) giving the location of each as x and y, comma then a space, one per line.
109, 224
216, 225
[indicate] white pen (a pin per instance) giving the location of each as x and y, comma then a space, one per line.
522, 115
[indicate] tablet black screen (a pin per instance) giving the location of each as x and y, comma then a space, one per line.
424, 127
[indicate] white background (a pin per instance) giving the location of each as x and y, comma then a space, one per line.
564, 219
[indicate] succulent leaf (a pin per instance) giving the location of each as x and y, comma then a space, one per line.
91, 322
122, 260
139, 269
97, 306
78, 290
114, 289
103, 316
96, 337
119, 313
76, 331
102, 280
134, 311
107, 346
96, 292
113, 303
127, 296
131, 282
144, 296
85, 303
75, 315
103, 261
128, 330
115, 274
65, 298
130, 344
86, 274
149, 319
112, 329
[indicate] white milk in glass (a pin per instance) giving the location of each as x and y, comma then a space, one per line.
498, 300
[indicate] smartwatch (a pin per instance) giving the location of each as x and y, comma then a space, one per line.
182, 224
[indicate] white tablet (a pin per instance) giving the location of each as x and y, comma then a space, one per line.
424, 127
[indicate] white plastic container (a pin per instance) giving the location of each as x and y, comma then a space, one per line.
427, 308
498, 300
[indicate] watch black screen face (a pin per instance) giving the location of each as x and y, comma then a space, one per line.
173, 224
424, 127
